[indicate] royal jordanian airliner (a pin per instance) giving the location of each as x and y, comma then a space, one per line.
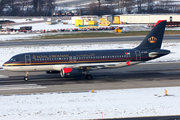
80, 63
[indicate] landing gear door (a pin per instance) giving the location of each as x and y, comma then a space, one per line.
27, 59
138, 55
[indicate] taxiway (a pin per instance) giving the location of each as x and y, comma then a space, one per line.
138, 76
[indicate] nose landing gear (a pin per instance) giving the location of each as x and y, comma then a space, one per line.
26, 76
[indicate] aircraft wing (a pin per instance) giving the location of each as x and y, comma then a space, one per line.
87, 66
90, 66
97, 65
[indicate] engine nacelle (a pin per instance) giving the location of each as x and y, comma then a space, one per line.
71, 72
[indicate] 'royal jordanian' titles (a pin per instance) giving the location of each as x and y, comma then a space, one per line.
80, 63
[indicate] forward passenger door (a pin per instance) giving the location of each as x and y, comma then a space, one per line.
27, 59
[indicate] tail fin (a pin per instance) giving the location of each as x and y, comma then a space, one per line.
154, 39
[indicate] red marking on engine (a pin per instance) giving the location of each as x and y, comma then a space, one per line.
128, 63
67, 70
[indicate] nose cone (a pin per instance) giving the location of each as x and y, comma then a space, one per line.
6, 66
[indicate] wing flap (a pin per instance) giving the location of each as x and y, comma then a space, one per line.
94, 65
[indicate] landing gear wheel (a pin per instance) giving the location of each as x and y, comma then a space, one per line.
89, 77
26, 78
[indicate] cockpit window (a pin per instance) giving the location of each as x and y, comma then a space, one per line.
14, 59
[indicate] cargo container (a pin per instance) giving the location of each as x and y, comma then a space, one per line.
104, 23
73, 19
92, 22
108, 18
85, 19
78, 22
102, 19
116, 19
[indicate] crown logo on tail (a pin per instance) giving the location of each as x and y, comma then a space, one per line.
152, 39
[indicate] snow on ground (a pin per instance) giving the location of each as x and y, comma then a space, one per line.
120, 103
23, 36
42, 26
8, 52
87, 105
17, 37
23, 20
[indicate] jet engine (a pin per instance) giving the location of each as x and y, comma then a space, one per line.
71, 72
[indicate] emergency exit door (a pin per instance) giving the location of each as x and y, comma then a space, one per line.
138, 55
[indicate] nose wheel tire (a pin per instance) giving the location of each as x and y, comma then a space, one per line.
89, 77
26, 78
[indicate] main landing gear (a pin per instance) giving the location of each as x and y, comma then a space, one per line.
26, 76
89, 76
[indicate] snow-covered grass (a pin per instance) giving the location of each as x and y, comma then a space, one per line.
17, 37
23, 20
42, 26
23, 36
8, 52
87, 105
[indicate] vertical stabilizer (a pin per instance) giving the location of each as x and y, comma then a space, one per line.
154, 39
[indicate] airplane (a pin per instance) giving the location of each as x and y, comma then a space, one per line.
80, 63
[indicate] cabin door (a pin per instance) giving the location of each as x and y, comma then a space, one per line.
27, 59
138, 55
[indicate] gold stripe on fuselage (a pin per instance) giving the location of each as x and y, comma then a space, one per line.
45, 63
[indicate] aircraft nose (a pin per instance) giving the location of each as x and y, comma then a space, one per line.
5, 64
